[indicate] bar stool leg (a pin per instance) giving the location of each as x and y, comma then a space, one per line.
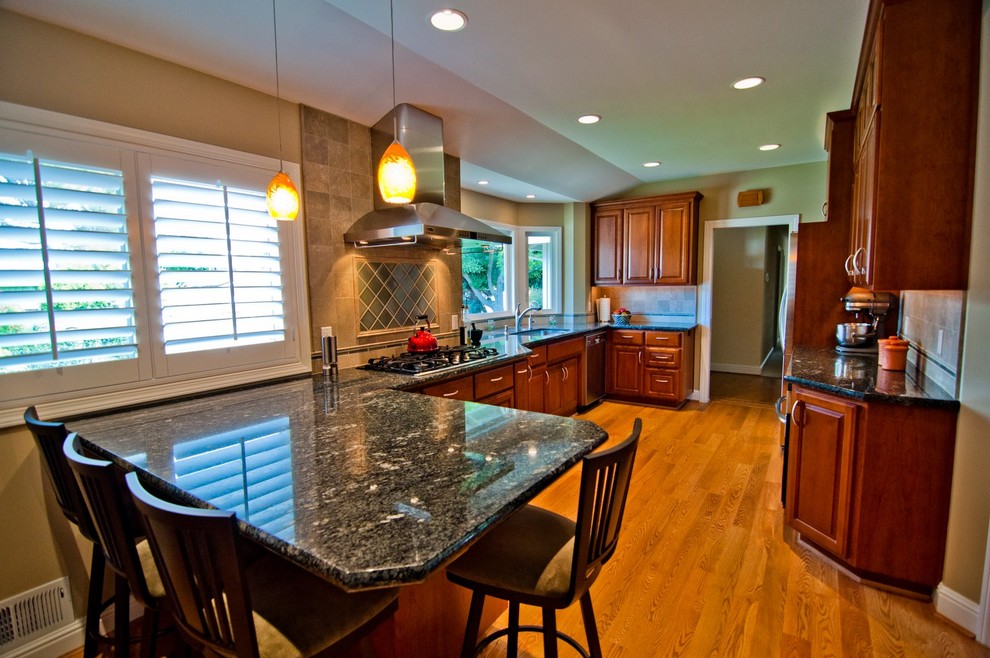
94, 603
473, 624
590, 626
121, 617
512, 649
549, 633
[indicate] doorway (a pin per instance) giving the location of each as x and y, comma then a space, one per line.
770, 331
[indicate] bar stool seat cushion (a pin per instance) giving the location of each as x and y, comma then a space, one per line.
151, 577
530, 554
286, 629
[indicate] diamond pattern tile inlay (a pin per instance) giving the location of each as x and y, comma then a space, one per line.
391, 295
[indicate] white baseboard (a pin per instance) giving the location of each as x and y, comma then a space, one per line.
736, 368
52, 645
957, 608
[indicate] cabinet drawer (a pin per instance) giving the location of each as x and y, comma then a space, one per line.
663, 339
664, 384
492, 381
455, 389
538, 356
503, 399
663, 357
619, 337
564, 349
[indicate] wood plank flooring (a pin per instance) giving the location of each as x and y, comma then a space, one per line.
705, 566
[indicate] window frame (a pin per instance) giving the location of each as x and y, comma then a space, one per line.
517, 279
145, 382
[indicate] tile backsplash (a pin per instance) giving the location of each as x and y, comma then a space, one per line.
932, 320
392, 295
652, 303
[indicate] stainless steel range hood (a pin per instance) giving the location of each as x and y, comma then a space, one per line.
427, 221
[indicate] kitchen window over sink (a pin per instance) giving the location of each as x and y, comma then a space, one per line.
528, 272
135, 266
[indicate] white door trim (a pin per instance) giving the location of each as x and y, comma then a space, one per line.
705, 285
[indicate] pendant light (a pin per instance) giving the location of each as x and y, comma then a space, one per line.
282, 197
396, 173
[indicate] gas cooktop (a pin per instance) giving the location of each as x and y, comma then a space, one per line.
421, 363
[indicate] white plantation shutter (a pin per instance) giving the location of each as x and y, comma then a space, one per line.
66, 293
219, 266
136, 266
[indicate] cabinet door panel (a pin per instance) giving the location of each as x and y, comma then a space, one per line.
674, 251
608, 247
820, 463
503, 399
529, 387
625, 369
639, 227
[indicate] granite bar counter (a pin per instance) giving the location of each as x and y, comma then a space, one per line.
363, 484
858, 376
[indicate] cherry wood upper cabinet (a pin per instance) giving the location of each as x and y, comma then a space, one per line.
915, 102
650, 240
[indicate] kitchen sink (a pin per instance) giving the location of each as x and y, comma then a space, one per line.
543, 331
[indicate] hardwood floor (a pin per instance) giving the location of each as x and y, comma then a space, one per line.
705, 566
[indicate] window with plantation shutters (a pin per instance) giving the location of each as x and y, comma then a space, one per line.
66, 294
136, 266
219, 266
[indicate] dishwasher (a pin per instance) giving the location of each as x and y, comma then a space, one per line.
594, 368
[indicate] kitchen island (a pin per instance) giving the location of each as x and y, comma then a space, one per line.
365, 485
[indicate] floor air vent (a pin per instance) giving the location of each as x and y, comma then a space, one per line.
34, 613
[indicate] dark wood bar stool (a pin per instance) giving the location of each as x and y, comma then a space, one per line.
539, 558
49, 438
122, 538
226, 608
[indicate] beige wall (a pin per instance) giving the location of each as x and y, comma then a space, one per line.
737, 299
970, 507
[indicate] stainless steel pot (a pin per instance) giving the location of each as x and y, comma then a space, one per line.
854, 334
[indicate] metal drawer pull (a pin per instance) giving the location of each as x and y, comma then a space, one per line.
546, 373
661, 337
452, 393
640, 354
519, 372
626, 336
662, 381
565, 373
496, 379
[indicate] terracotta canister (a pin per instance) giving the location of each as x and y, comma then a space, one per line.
894, 356
881, 352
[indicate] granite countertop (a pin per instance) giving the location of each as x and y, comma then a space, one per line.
858, 376
356, 481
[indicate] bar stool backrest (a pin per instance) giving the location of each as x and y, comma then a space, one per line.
49, 438
197, 557
605, 477
114, 517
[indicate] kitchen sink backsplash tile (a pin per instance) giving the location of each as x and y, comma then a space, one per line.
652, 303
923, 315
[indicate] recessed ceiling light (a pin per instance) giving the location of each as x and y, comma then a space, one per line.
449, 20
748, 83
652, 163
482, 182
770, 147
589, 118
530, 196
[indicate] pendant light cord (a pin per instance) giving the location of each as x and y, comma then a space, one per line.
391, 31
278, 96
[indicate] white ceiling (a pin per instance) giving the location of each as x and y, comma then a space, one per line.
510, 86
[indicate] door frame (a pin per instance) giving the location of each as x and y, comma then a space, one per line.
705, 285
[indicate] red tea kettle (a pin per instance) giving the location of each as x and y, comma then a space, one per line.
422, 340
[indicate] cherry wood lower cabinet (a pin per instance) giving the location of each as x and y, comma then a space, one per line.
530, 380
868, 483
655, 367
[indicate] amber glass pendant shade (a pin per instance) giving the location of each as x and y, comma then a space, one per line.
396, 175
282, 197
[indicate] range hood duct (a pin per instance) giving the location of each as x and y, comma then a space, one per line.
427, 221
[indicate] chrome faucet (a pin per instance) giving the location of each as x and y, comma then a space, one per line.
520, 316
